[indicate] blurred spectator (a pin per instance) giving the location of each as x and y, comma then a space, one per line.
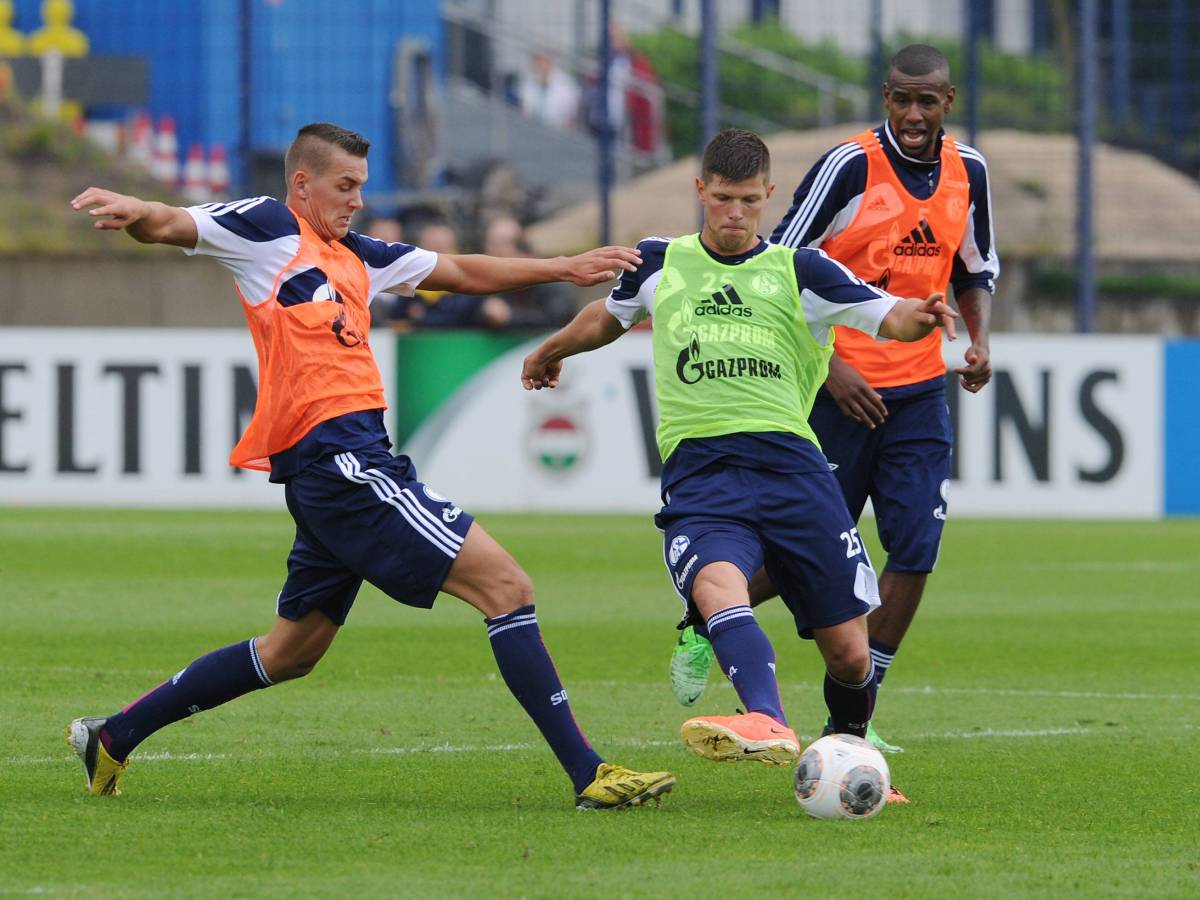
634, 97
439, 309
383, 228
548, 93
643, 104
542, 306
620, 75
385, 308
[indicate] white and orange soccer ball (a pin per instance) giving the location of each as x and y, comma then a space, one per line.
841, 776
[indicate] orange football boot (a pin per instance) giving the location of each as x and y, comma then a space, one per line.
753, 736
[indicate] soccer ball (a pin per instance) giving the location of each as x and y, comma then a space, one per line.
842, 776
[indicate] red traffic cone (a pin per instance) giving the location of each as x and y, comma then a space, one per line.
218, 172
195, 175
140, 148
166, 152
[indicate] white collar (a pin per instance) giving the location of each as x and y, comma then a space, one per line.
887, 130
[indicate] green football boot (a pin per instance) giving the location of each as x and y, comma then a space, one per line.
691, 661
879, 743
872, 737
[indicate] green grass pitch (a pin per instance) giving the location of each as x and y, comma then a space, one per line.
1047, 698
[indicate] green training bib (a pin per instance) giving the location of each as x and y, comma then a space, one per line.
732, 350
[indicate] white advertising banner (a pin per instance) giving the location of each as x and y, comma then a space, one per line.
131, 417
1069, 427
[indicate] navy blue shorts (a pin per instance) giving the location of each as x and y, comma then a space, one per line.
363, 516
903, 465
796, 525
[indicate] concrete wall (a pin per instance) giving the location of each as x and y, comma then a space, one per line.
154, 288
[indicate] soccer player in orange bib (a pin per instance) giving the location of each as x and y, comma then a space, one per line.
305, 281
907, 208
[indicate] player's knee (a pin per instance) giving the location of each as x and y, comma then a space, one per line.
510, 589
849, 663
507, 588
294, 668
287, 664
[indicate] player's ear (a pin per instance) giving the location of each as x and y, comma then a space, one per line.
700, 189
949, 98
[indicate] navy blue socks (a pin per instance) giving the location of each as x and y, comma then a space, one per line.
747, 658
529, 672
850, 705
882, 655
213, 679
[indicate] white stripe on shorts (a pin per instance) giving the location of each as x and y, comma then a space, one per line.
384, 490
407, 496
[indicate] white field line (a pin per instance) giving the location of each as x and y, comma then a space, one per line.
1115, 565
636, 743
491, 677
1035, 692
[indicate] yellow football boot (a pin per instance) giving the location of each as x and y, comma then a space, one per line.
103, 772
615, 787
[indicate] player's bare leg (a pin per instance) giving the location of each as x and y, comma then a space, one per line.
720, 594
900, 593
486, 576
293, 649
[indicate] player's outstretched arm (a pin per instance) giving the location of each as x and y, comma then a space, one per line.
594, 327
911, 320
478, 274
146, 221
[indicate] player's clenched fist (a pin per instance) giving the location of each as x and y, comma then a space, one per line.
538, 372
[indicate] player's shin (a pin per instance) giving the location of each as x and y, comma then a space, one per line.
850, 705
747, 658
529, 672
211, 680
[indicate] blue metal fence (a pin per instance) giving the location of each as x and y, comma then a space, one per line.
309, 60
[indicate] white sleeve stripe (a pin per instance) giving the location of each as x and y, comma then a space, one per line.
239, 206
993, 260
973, 259
820, 190
968, 250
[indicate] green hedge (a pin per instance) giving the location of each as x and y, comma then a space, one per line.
1028, 93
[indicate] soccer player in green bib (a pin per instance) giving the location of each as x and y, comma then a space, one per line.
742, 339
